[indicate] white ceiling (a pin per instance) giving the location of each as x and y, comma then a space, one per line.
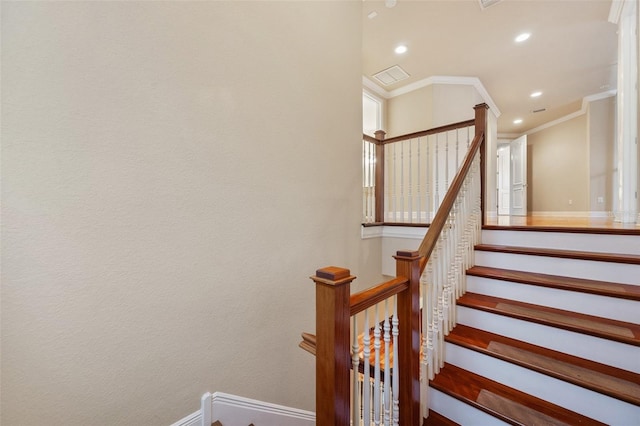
571, 53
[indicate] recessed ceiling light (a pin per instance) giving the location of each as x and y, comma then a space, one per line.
517, 121
536, 94
522, 37
400, 49
390, 3
372, 15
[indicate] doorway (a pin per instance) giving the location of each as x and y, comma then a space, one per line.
512, 177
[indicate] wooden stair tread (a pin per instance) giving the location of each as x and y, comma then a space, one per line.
437, 419
603, 288
566, 254
503, 402
611, 381
565, 229
605, 328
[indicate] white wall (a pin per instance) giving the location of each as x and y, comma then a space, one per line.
172, 174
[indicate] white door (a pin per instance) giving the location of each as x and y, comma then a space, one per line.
519, 176
504, 179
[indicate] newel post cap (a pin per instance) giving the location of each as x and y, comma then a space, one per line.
407, 254
333, 275
380, 134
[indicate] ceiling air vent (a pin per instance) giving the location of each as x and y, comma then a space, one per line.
391, 75
486, 3
539, 110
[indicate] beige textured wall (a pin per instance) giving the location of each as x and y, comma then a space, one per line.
410, 112
558, 167
431, 106
172, 173
601, 130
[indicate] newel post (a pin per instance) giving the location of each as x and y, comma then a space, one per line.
379, 191
408, 265
481, 127
333, 359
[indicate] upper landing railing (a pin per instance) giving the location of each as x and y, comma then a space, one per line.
405, 178
384, 329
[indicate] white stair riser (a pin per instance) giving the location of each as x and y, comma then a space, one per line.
602, 243
601, 271
585, 303
460, 412
616, 354
586, 402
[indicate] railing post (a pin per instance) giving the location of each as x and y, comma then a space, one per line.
481, 127
379, 192
333, 359
408, 265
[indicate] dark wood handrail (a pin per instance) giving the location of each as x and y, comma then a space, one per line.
371, 139
440, 219
421, 133
374, 295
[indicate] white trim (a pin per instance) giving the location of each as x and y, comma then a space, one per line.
601, 214
436, 79
367, 232
214, 404
583, 109
374, 88
408, 232
193, 419
616, 11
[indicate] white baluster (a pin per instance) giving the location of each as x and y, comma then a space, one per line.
387, 369
446, 162
428, 182
418, 178
376, 370
437, 176
387, 183
395, 387
355, 349
457, 148
410, 186
402, 186
366, 352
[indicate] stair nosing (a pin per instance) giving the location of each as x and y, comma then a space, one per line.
564, 229
560, 253
436, 385
635, 341
542, 370
554, 281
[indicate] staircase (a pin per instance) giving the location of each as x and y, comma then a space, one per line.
547, 333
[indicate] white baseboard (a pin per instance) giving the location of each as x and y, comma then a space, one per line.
233, 410
562, 214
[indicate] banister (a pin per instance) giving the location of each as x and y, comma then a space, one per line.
374, 295
440, 219
421, 133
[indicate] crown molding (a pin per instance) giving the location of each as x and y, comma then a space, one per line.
437, 79
583, 109
375, 88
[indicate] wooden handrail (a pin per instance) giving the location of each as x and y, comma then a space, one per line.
370, 139
421, 133
374, 295
440, 219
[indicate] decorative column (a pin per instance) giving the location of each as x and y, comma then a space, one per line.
625, 14
408, 265
333, 359
379, 182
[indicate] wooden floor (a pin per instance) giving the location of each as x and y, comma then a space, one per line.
561, 222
